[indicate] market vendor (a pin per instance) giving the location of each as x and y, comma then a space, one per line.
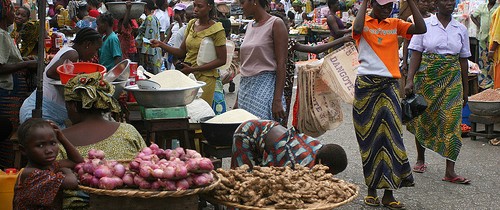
267, 143
85, 46
300, 15
25, 33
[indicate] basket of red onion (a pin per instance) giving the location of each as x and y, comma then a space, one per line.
154, 172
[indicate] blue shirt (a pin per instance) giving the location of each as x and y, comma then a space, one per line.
110, 49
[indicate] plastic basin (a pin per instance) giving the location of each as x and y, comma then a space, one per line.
80, 68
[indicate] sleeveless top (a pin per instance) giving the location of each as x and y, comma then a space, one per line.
257, 50
339, 23
49, 91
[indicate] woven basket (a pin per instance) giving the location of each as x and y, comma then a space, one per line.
150, 194
317, 206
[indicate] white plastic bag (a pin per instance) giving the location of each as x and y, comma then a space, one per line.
68, 67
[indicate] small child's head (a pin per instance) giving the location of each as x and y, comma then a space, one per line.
333, 156
104, 22
382, 9
38, 142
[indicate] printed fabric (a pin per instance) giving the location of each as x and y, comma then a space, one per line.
290, 149
39, 190
439, 81
377, 122
150, 58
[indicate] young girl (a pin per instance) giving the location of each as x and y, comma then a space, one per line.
110, 52
41, 182
379, 128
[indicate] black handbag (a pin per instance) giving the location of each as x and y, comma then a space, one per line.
413, 106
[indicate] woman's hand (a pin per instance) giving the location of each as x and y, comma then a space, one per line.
278, 112
409, 87
186, 69
155, 43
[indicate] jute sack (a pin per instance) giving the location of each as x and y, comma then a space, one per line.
339, 71
319, 106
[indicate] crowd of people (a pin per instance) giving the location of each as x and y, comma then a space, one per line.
434, 66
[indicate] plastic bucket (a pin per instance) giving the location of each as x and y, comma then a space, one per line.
80, 68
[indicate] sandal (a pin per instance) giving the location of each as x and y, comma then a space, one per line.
494, 142
420, 168
456, 180
371, 201
395, 205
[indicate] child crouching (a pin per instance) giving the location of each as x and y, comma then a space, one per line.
41, 182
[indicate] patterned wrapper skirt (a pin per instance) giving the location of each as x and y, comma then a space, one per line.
377, 122
256, 94
439, 80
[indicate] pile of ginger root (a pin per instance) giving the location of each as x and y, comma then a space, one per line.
282, 187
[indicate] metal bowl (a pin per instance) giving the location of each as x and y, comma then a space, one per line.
120, 72
164, 97
119, 86
118, 9
484, 108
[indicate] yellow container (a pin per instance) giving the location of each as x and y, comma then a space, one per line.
7, 189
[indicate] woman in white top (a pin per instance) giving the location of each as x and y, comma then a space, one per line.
85, 45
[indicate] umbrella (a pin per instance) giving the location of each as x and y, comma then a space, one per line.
37, 112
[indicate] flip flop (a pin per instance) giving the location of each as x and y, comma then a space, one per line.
371, 201
420, 168
394, 205
456, 180
494, 142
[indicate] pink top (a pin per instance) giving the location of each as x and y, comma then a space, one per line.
257, 50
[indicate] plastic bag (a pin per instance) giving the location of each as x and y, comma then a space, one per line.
68, 67
413, 106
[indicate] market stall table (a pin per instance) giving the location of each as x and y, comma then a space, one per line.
489, 124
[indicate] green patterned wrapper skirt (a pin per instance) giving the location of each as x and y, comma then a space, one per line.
439, 80
377, 122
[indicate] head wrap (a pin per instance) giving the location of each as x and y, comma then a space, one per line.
93, 91
297, 3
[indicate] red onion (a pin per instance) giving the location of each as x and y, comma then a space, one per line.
92, 154
138, 180
181, 153
206, 164
96, 162
158, 173
169, 172
102, 171
144, 171
193, 165
86, 179
190, 180
119, 170
168, 154
144, 185
80, 172
78, 166
107, 183
117, 181
88, 167
154, 147
94, 182
147, 151
192, 154
99, 154
128, 179
156, 185
200, 180
181, 171
182, 184
170, 185
134, 165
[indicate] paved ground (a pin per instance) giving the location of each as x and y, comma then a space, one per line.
478, 161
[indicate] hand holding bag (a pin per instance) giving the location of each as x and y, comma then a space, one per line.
413, 106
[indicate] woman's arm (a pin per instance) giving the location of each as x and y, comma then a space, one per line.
464, 67
337, 43
281, 53
71, 55
419, 26
13, 67
332, 24
74, 156
416, 58
359, 22
177, 52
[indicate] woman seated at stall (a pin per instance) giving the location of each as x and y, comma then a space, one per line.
87, 97
86, 44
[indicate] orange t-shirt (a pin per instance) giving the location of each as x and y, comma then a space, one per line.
378, 46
